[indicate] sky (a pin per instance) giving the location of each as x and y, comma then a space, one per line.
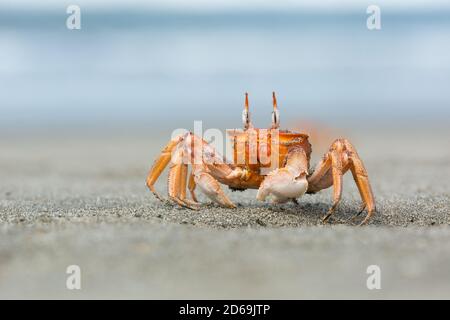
219, 5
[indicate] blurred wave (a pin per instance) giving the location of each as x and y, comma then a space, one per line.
167, 69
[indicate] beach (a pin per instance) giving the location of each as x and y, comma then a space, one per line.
71, 200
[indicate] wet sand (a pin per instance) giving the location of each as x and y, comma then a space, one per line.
72, 200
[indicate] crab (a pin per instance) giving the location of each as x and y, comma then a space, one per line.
274, 161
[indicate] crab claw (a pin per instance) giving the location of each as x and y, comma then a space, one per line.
283, 185
212, 190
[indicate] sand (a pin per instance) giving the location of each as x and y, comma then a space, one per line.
82, 200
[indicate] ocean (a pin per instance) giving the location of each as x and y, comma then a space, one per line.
167, 69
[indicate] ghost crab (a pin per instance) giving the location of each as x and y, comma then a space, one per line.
276, 162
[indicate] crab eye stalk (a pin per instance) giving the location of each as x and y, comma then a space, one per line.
275, 113
246, 114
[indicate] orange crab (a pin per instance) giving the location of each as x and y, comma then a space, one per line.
274, 161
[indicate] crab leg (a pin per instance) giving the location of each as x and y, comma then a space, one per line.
160, 163
342, 157
362, 181
183, 180
181, 151
177, 182
321, 179
173, 183
337, 173
192, 204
